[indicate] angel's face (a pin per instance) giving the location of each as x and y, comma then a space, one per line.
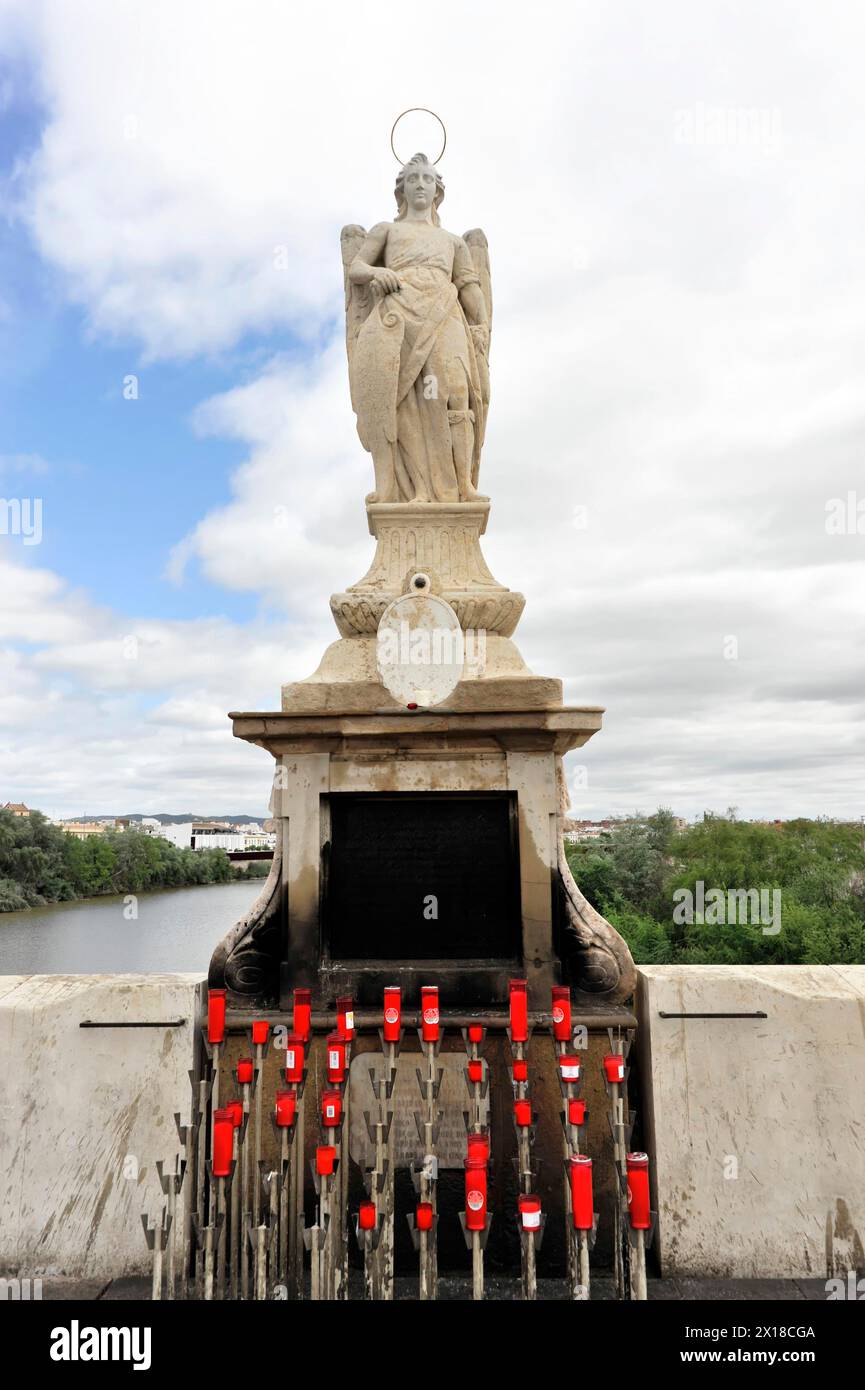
420, 187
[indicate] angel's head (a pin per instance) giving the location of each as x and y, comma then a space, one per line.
419, 186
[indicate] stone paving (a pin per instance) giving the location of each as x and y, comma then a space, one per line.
503, 1289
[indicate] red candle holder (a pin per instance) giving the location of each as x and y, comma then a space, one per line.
260, 1032
223, 1141
325, 1160
423, 1216
367, 1216
430, 1013
286, 1108
576, 1112
345, 1016
215, 1016
569, 1068
614, 1067
302, 1021
335, 1059
392, 1013
519, 1007
638, 1191
582, 1203
562, 1030
295, 1056
478, 1147
521, 1070
245, 1070
476, 1071
476, 1195
476, 1032
529, 1207
522, 1113
331, 1109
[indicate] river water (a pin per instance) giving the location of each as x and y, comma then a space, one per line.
176, 929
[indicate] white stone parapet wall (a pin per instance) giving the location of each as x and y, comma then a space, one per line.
84, 1115
755, 1127
777, 1101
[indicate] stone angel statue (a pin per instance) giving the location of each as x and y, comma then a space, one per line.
418, 314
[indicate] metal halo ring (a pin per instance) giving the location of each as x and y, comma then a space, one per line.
407, 112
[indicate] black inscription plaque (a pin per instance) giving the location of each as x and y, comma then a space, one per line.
421, 877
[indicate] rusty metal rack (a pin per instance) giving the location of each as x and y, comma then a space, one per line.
284, 1209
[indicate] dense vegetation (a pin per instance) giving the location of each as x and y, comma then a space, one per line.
40, 863
636, 873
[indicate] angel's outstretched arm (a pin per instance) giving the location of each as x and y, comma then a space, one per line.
363, 269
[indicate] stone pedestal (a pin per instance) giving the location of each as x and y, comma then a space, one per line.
517, 756
422, 845
443, 540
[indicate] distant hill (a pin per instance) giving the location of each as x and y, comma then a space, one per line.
165, 819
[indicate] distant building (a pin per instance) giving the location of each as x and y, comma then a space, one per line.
575, 830
83, 829
213, 834
17, 808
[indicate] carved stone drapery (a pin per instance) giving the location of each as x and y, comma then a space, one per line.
246, 961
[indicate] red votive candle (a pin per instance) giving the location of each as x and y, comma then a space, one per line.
325, 1158
569, 1068
392, 1013
430, 1013
223, 1139
638, 1191
302, 1023
331, 1109
530, 1211
519, 1000
614, 1067
580, 1173
335, 1059
215, 1016
576, 1112
286, 1108
244, 1071
562, 1013
522, 1113
294, 1060
345, 1016
476, 1194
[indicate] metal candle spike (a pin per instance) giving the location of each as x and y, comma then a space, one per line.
187, 1136
430, 1034
157, 1241
615, 1080
171, 1184
195, 1196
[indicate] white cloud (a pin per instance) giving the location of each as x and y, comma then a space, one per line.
677, 348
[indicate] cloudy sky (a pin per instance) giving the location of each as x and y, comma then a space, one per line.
673, 195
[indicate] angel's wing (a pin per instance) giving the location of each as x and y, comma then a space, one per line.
477, 243
358, 298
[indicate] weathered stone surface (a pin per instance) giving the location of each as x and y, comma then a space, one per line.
418, 312
776, 1100
443, 540
452, 1102
84, 1110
